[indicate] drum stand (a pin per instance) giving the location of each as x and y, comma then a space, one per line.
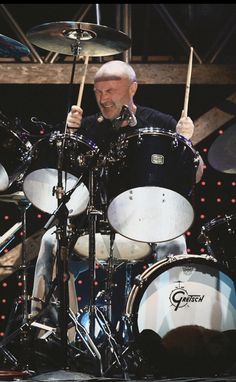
62, 266
114, 348
23, 331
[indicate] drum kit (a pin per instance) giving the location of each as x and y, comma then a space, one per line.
149, 201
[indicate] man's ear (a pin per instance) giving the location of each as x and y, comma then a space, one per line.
133, 88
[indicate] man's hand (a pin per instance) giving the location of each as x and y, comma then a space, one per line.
74, 117
185, 127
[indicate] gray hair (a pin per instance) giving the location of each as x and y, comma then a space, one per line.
113, 70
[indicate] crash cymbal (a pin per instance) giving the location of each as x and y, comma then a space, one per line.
222, 153
12, 48
94, 40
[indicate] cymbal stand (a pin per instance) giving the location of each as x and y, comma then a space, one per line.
62, 274
61, 213
114, 348
92, 224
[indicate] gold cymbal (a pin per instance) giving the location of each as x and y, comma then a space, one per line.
222, 153
12, 48
93, 40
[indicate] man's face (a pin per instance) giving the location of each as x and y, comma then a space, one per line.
111, 95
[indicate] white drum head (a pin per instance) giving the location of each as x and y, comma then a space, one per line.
185, 292
124, 249
38, 187
150, 214
4, 179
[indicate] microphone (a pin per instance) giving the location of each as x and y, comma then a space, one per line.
129, 115
100, 118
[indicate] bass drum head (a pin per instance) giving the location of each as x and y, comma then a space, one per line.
181, 291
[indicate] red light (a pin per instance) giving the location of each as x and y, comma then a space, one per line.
233, 201
19, 283
41, 132
188, 233
6, 217
202, 216
189, 250
145, 266
203, 183
79, 298
4, 301
219, 183
4, 285
202, 250
203, 200
80, 282
2, 334
3, 317
233, 184
39, 216
221, 132
95, 283
218, 200
205, 149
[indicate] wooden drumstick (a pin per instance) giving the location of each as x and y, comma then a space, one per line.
81, 89
187, 89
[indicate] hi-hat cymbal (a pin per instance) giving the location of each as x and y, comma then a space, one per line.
222, 153
94, 40
12, 48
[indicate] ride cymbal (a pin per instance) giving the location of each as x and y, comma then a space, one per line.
222, 153
12, 48
93, 40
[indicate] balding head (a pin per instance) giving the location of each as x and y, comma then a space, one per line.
115, 70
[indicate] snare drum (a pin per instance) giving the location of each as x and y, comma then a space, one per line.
42, 176
183, 290
123, 250
14, 155
149, 188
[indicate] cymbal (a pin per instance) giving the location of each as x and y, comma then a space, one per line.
12, 48
222, 153
94, 40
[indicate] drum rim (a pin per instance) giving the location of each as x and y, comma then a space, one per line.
74, 137
217, 221
151, 130
9, 130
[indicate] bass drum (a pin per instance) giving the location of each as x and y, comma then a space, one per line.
149, 188
183, 290
42, 176
14, 154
